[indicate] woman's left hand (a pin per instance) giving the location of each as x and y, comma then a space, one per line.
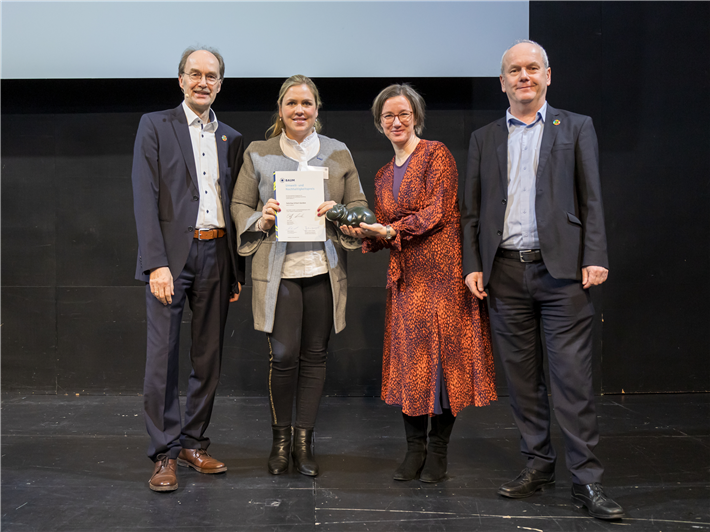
354, 232
373, 230
325, 207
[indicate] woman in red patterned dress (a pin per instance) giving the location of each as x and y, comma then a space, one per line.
437, 351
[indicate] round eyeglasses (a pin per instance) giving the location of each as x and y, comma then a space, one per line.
404, 117
196, 77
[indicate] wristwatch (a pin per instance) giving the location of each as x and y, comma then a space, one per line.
390, 234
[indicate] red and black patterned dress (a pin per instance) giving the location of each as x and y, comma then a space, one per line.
432, 320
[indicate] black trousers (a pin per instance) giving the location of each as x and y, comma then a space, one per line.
525, 298
298, 347
205, 282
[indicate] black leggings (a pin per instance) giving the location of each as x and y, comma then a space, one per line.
298, 348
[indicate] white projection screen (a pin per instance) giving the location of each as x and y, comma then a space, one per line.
329, 38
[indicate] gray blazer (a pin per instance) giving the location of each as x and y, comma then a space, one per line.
254, 188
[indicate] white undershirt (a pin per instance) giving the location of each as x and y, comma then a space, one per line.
303, 259
204, 150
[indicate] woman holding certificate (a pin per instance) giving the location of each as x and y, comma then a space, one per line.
437, 351
299, 285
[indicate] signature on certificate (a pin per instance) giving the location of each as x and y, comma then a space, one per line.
291, 216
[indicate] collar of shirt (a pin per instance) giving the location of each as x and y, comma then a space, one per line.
303, 152
192, 118
511, 121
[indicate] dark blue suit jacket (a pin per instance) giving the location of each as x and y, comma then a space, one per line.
568, 200
166, 195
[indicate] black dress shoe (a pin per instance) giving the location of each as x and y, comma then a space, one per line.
526, 483
593, 498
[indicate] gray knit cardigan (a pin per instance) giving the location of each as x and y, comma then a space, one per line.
253, 189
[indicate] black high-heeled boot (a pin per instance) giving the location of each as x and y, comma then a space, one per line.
436, 463
280, 449
302, 454
415, 429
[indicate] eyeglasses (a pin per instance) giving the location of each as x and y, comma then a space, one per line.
404, 117
196, 77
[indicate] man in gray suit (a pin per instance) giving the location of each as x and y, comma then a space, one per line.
534, 243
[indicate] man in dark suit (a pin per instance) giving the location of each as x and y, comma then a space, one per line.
534, 238
185, 165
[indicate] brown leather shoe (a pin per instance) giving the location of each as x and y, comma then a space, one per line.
164, 475
199, 460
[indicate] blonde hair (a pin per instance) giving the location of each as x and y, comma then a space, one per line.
277, 125
414, 98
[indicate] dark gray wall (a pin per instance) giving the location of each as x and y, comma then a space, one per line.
73, 318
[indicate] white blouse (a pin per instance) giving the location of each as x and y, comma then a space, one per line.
303, 259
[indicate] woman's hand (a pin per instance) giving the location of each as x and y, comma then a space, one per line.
325, 207
375, 230
268, 214
354, 232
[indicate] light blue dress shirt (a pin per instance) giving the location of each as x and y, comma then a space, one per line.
520, 230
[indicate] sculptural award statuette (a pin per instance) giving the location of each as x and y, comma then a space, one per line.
350, 217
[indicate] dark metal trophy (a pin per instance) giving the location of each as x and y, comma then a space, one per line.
350, 217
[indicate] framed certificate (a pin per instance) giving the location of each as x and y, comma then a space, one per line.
299, 194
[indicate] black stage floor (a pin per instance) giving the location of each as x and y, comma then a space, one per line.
79, 464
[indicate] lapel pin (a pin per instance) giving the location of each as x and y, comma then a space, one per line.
224, 137
554, 123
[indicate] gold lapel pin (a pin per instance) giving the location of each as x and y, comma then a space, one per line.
554, 123
224, 137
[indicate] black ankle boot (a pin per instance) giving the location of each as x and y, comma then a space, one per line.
436, 464
280, 449
415, 429
302, 455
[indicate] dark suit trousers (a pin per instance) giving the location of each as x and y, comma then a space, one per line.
523, 298
204, 282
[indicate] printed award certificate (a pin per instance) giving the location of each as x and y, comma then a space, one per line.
299, 194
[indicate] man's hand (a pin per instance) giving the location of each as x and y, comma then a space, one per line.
593, 275
234, 297
474, 281
161, 285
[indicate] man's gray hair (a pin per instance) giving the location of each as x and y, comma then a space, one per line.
192, 49
545, 60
